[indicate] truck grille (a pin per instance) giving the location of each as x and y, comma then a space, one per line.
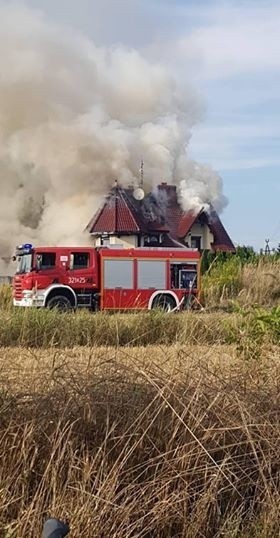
17, 289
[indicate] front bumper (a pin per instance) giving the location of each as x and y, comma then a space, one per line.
30, 300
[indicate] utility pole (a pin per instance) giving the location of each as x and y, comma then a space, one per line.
267, 247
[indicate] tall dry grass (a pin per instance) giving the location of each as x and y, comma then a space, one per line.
261, 284
249, 284
43, 328
141, 442
6, 297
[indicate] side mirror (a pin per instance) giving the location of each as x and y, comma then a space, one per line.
38, 262
71, 264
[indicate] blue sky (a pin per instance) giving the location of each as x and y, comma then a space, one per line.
229, 52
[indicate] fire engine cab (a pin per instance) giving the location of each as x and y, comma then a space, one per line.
106, 278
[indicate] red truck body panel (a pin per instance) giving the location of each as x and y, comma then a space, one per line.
136, 297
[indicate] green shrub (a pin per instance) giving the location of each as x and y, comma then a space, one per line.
222, 281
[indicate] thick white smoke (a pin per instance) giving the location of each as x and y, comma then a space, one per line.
73, 118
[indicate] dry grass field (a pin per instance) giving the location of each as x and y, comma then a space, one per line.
145, 425
154, 441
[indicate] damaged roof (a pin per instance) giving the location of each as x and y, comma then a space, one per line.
122, 214
158, 212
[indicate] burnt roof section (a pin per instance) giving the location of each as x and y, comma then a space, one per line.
172, 212
186, 222
122, 214
180, 222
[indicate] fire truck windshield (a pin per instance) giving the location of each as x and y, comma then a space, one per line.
24, 264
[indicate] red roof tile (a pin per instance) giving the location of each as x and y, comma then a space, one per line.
186, 222
222, 240
117, 215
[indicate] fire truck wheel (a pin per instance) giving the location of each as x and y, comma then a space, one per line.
164, 302
61, 302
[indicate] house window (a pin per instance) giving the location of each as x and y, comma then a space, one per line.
196, 241
151, 240
79, 260
105, 241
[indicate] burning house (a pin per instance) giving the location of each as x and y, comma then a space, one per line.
131, 218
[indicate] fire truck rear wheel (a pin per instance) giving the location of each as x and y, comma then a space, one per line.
164, 302
61, 302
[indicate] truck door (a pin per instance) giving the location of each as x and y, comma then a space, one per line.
46, 269
80, 274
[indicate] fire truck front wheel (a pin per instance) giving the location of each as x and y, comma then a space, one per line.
61, 302
164, 302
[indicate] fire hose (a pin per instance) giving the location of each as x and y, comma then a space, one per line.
186, 298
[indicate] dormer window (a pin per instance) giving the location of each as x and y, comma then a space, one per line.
151, 240
154, 239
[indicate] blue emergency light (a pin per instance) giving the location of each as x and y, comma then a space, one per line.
26, 248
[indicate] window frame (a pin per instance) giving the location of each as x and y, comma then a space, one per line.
39, 259
73, 267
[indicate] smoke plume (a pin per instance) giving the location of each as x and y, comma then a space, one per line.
73, 118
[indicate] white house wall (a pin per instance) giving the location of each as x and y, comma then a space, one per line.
203, 231
125, 241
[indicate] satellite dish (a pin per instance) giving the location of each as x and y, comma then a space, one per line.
138, 193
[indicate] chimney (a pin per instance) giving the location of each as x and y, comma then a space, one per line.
170, 192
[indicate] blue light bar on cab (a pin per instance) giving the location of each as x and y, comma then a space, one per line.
26, 248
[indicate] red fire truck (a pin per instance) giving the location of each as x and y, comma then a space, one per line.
106, 278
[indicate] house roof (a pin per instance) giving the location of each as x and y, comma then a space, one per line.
117, 215
186, 222
121, 214
159, 212
180, 222
222, 240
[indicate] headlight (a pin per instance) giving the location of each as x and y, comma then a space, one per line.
28, 293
